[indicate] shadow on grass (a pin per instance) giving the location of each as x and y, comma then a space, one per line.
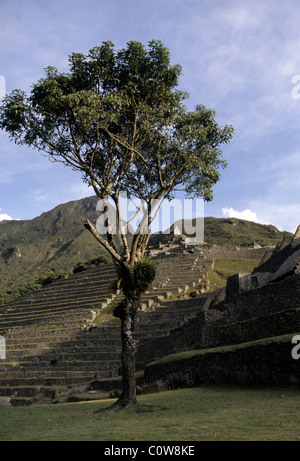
123, 405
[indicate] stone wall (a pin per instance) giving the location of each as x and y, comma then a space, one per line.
262, 362
243, 332
275, 297
280, 254
175, 246
264, 326
256, 315
233, 252
264, 312
179, 339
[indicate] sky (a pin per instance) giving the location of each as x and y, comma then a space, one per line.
240, 58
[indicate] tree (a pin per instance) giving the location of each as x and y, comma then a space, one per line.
118, 118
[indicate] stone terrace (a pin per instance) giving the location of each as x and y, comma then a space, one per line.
53, 343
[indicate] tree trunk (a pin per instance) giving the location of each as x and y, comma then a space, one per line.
129, 349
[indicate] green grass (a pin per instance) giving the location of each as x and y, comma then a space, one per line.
210, 413
196, 349
233, 231
224, 268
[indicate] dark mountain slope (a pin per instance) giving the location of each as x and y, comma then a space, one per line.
58, 240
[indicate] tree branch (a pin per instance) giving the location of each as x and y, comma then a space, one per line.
89, 226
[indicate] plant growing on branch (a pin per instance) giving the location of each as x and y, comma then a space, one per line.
119, 119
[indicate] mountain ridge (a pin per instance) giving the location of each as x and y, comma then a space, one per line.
57, 240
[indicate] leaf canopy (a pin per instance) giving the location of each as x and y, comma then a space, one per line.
119, 118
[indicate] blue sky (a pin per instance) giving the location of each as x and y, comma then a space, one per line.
239, 57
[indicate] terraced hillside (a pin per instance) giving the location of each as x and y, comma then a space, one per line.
53, 338
57, 240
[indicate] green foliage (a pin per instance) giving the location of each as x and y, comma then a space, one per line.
114, 285
173, 382
55, 240
15, 292
118, 309
233, 231
84, 265
50, 277
81, 266
119, 119
144, 273
177, 381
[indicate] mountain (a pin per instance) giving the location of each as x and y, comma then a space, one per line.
58, 240
229, 231
233, 231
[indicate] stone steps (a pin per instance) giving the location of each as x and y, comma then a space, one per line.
61, 350
79, 291
260, 326
29, 391
27, 374
50, 340
59, 302
72, 284
82, 317
103, 367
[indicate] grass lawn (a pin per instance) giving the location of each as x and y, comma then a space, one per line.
224, 268
210, 413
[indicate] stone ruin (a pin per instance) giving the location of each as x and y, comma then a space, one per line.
263, 304
246, 330
282, 262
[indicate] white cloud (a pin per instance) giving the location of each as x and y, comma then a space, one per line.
286, 217
243, 81
5, 217
247, 214
238, 58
